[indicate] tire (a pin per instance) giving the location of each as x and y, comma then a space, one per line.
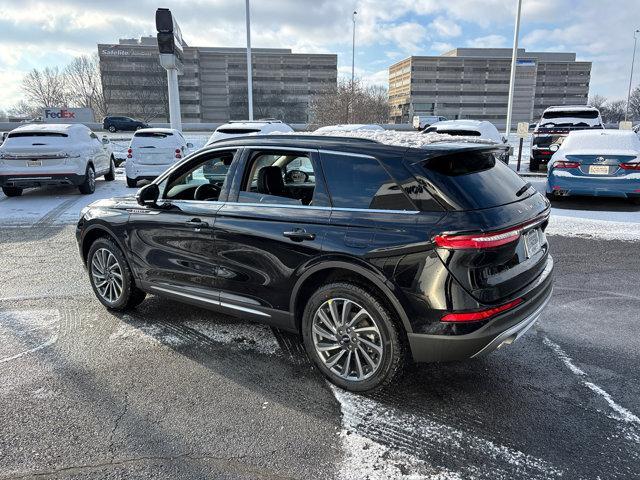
635, 200
132, 182
384, 365
89, 185
110, 176
534, 165
112, 128
139, 127
121, 296
12, 191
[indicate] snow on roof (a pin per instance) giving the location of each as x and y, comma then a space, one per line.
399, 139
157, 130
48, 127
570, 108
349, 127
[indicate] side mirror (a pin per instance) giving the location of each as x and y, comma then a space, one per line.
189, 145
554, 147
148, 195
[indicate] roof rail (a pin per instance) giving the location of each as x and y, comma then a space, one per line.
321, 138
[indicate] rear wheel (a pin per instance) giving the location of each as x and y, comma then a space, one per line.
635, 200
89, 185
353, 338
132, 182
111, 174
12, 191
111, 277
112, 128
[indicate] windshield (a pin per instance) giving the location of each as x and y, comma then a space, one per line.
570, 118
36, 134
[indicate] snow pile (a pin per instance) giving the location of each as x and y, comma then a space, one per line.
569, 226
400, 139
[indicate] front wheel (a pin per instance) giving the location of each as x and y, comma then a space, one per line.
111, 174
89, 185
112, 128
12, 191
111, 277
352, 337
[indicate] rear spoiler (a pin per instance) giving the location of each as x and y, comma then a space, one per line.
435, 150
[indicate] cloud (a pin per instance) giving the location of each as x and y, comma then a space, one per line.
444, 27
488, 41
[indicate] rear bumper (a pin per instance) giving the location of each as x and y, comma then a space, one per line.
145, 172
569, 184
504, 329
40, 180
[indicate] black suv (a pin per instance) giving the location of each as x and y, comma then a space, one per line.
113, 124
374, 253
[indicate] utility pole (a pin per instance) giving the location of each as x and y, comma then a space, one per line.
514, 58
249, 67
633, 59
353, 63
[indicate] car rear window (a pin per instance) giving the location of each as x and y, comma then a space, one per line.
474, 180
238, 131
455, 133
153, 139
571, 114
601, 141
36, 134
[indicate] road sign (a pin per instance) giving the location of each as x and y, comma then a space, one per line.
523, 129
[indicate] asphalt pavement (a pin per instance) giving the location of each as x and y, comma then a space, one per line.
171, 391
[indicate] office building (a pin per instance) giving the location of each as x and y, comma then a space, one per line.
474, 83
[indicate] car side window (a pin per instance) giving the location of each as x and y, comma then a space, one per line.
281, 177
203, 179
362, 182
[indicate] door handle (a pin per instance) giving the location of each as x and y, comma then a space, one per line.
197, 223
299, 235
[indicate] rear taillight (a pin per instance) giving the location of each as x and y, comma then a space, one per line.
480, 314
484, 240
630, 166
178, 153
129, 153
566, 165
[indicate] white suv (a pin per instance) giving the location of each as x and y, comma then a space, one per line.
152, 151
241, 128
60, 154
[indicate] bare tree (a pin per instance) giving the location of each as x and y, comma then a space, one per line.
598, 101
45, 88
634, 104
350, 103
83, 81
24, 109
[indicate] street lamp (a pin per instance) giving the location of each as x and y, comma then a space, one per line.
514, 57
633, 58
249, 69
353, 62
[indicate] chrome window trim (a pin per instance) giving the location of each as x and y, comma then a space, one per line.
337, 209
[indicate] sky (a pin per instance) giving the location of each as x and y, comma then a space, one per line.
38, 34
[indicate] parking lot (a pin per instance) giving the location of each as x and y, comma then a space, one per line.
173, 391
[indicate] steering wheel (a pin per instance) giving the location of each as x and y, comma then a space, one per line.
296, 176
207, 191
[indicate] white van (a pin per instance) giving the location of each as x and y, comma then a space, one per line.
54, 154
152, 151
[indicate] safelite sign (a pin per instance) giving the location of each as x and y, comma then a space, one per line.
67, 115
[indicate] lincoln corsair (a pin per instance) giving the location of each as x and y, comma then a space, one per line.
376, 254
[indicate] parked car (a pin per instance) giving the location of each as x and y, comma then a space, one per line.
151, 151
385, 253
354, 127
555, 125
246, 127
54, 154
114, 124
420, 122
472, 128
602, 163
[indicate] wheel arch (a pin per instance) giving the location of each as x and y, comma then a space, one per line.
93, 233
337, 270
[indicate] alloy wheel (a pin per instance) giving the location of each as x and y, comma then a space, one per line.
107, 275
347, 339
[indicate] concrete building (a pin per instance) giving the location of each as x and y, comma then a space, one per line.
213, 87
474, 83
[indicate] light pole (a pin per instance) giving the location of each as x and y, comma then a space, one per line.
635, 41
353, 63
512, 80
249, 68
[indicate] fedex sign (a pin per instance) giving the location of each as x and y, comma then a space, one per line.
62, 113
67, 115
